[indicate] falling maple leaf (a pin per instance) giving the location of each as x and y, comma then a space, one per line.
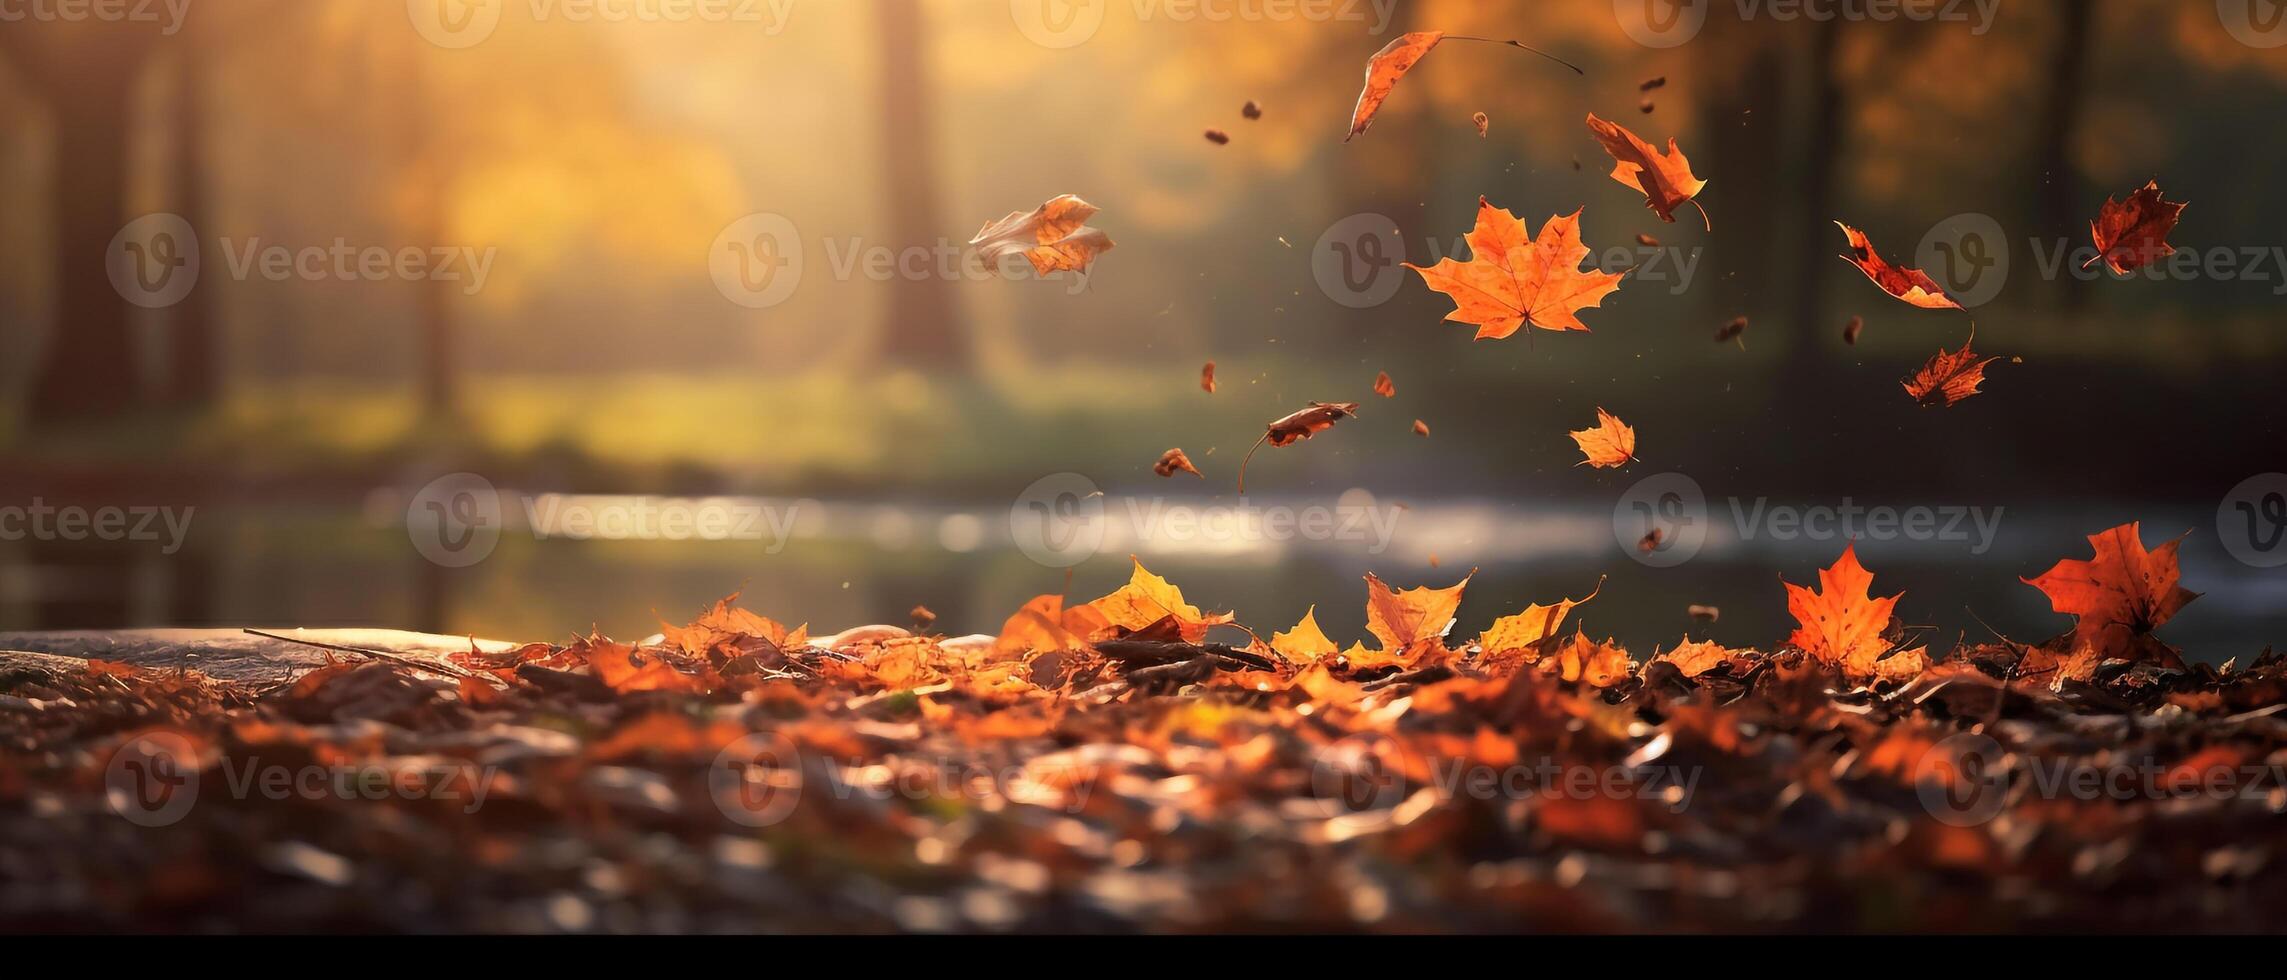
1383, 386
1536, 623
1147, 599
1054, 237
2117, 598
1174, 460
1045, 625
1911, 286
1389, 65
1610, 443
1412, 624
1513, 278
1842, 626
1207, 378
1665, 178
1294, 428
1950, 376
2132, 234
1305, 643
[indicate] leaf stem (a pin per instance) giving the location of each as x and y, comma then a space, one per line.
1518, 44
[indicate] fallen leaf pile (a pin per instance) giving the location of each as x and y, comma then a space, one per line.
1137, 763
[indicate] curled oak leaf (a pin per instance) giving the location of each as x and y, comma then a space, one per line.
1045, 625
1174, 460
1411, 625
1840, 625
1610, 443
1527, 629
1420, 428
1384, 387
1581, 659
1910, 286
1389, 65
1514, 278
2117, 598
1950, 376
725, 631
1304, 644
2132, 234
1207, 378
1054, 237
1294, 428
1665, 178
1147, 599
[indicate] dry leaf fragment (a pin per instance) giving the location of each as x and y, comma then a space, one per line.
1383, 385
1410, 624
1483, 121
1650, 542
1610, 443
1597, 664
1294, 428
1841, 625
1909, 285
1218, 137
1054, 237
1046, 625
1731, 331
1850, 330
2132, 234
1252, 110
922, 618
1644, 105
2117, 598
1514, 279
1649, 84
1420, 428
1647, 241
1389, 65
1950, 376
1704, 614
1304, 644
1665, 178
1147, 599
1207, 378
1528, 628
1173, 460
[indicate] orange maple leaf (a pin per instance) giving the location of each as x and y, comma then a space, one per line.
1513, 278
2132, 234
1909, 285
625, 669
1609, 443
1044, 625
1694, 658
1147, 599
1054, 237
727, 629
1950, 376
1579, 658
1536, 623
1840, 625
1305, 643
2117, 598
1411, 625
1384, 387
1665, 178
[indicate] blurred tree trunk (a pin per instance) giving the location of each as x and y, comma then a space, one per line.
194, 361
431, 171
2061, 203
1744, 119
924, 327
86, 75
1814, 234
